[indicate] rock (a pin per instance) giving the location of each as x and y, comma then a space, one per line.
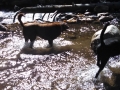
3, 28
61, 18
69, 15
93, 17
105, 18
111, 77
72, 20
107, 77
101, 8
80, 15
103, 14
87, 13
86, 19
112, 31
114, 66
4, 34
64, 16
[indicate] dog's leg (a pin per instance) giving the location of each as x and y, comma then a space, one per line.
31, 44
98, 61
26, 42
26, 39
102, 65
32, 41
50, 42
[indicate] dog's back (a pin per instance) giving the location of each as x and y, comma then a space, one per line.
45, 30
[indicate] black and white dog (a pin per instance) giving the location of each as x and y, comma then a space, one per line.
107, 48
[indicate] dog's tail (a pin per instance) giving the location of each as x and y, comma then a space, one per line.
102, 33
19, 19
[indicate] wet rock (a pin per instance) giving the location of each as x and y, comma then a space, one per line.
115, 67
107, 77
93, 17
105, 18
4, 34
107, 86
69, 17
111, 31
3, 28
111, 77
86, 19
101, 8
72, 20
103, 14
80, 15
61, 18
87, 13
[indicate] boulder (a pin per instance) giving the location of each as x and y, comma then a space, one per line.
107, 77
105, 18
111, 32
103, 14
86, 19
87, 13
114, 66
110, 77
72, 20
93, 17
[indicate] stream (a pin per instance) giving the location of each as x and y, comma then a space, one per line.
69, 65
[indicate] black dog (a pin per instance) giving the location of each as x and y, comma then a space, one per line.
107, 48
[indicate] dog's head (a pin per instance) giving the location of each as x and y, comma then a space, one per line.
64, 26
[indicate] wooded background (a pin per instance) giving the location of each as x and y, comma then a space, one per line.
9, 4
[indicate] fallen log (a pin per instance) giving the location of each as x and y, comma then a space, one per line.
65, 8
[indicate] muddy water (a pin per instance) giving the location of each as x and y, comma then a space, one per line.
68, 65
